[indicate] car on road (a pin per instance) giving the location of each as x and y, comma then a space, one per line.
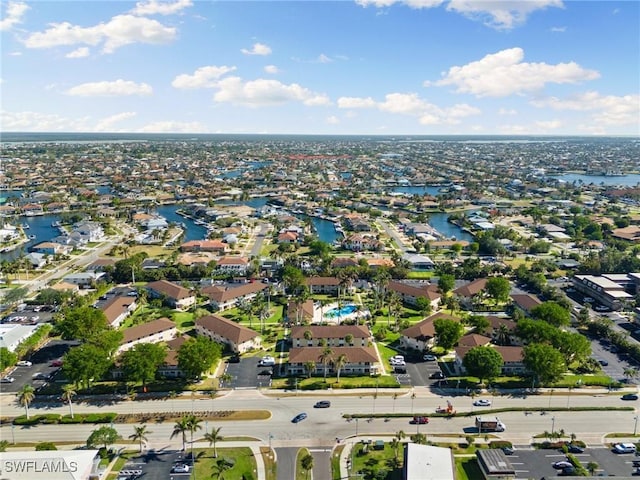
419, 421
437, 375
322, 404
24, 363
588, 299
574, 449
562, 464
429, 358
601, 308
299, 417
7, 380
482, 402
629, 396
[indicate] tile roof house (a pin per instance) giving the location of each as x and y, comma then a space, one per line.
422, 335
328, 285
410, 292
234, 265
225, 297
330, 335
525, 301
240, 339
175, 295
117, 308
204, 246
160, 330
360, 360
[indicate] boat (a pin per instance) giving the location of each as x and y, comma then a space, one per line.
26, 226
31, 237
55, 224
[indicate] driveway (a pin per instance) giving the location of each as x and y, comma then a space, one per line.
286, 458
246, 374
419, 372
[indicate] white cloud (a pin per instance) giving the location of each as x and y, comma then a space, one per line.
272, 69
107, 124
173, 127
13, 15
15, 54
119, 31
41, 122
558, 29
322, 58
257, 49
608, 109
116, 88
153, 7
507, 111
264, 92
203, 77
410, 3
548, 124
333, 120
78, 53
500, 14
356, 102
504, 73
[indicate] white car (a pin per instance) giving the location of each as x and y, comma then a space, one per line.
24, 363
7, 380
429, 358
482, 402
181, 468
624, 448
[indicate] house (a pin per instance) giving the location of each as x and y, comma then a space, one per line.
525, 301
420, 263
117, 308
298, 313
474, 340
91, 231
215, 246
360, 360
357, 243
288, 237
155, 331
426, 462
233, 265
466, 293
343, 262
174, 295
83, 279
410, 292
238, 338
330, 336
326, 285
36, 260
225, 297
101, 264
422, 335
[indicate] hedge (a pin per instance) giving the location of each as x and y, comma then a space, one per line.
54, 418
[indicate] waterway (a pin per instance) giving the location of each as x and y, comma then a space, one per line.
625, 180
40, 227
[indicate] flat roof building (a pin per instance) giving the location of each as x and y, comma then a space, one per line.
426, 462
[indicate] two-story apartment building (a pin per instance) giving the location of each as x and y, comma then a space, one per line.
174, 295
360, 360
238, 338
410, 292
160, 330
330, 336
233, 265
422, 335
224, 297
117, 308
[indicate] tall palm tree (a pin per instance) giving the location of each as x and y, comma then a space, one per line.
326, 357
140, 434
193, 423
503, 336
25, 397
212, 437
68, 392
339, 364
310, 367
181, 427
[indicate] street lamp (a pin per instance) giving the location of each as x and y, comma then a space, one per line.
356, 426
553, 424
635, 425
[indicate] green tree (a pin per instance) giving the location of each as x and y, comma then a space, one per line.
446, 282
3, 445
181, 427
552, 313
310, 367
448, 332
544, 362
104, 436
196, 355
140, 434
498, 288
480, 323
221, 466
141, 363
339, 363
25, 396
213, 437
424, 306
293, 278
592, 467
68, 392
326, 357
7, 358
194, 424
306, 462
574, 347
45, 446
85, 364
483, 362
82, 323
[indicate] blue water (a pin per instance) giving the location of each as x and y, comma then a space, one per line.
339, 312
325, 230
626, 180
440, 222
193, 230
40, 227
426, 189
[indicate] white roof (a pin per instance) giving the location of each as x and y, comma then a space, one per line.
425, 462
12, 335
47, 465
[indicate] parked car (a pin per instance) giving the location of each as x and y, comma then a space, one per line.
508, 450
482, 402
629, 396
438, 375
299, 417
624, 448
602, 362
419, 420
562, 464
574, 449
322, 404
56, 363
180, 468
7, 380
24, 363
429, 358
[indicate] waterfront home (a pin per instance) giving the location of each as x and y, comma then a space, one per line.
9, 233
37, 260
360, 360
287, 237
214, 246
357, 242
173, 294
419, 263
422, 335
91, 231
356, 223
83, 279
238, 338
155, 331
117, 308
233, 265
31, 209
410, 292
224, 297
330, 336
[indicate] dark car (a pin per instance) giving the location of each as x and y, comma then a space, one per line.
604, 363
508, 450
322, 404
234, 359
629, 396
419, 420
299, 417
438, 375
575, 449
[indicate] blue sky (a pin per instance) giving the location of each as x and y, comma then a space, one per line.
388, 67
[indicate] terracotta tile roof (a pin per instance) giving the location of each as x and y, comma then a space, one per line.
526, 301
495, 322
305, 310
354, 354
471, 288
115, 306
317, 281
224, 294
511, 354
426, 290
233, 261
226, 328
330, 331
169, 289
425, 328
473, 340
147, 329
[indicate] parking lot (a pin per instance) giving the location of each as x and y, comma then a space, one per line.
155, 465
247, 374
418, 372
538, 463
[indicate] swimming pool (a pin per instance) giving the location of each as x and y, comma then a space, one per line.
341, 312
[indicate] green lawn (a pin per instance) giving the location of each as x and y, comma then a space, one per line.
242, 458
301, 473
467, 468
318, 383
374, 462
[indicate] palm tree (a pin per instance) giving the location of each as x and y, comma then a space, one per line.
338, 364
25, 397
212, 437
307, 335
395, 308
181, 427
220, 467
140, 434
325, 358
630, 373
504, 335
68, 392
592, 467
193, 424
307, 463
310, 367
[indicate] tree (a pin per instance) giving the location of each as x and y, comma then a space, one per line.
326, 358
544, 362
212, 437
572, 346
424, 306
7, 358
480, 323
85, 363
3, 445
552, 313
104, 436
196, 356
141, 363
448, 332
592, 467
498, 288
181, 427
419, 438
68, 392
82, 323
25, 396
306, 462
293, 278
310, 367
140, 434
503, 336
45, 446
446, 282
193, 423
221, 466
339, 364
483, 362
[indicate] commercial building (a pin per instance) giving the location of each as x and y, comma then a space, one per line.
50, 465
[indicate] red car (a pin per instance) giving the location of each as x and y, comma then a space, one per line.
56, 363
419, 420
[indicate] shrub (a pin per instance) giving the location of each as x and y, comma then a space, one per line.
45, 446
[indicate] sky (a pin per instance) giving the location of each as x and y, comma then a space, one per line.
352, 67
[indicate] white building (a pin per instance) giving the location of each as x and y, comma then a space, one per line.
425, 462
12, 335
50, 465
